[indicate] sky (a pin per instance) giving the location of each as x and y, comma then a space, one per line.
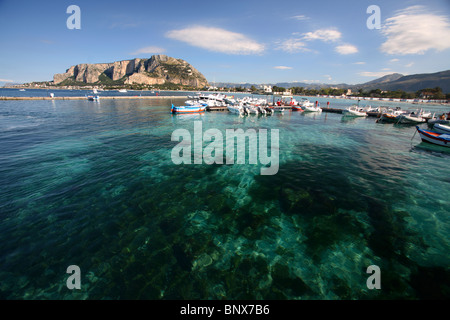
246, 41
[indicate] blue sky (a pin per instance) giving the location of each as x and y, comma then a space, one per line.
230, 41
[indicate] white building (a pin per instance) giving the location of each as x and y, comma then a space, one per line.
267, 89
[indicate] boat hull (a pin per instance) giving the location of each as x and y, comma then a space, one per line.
353, 113
312, 109
297, 108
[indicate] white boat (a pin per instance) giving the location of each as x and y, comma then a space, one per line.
212, 100
355, 111
122, 90
441, 128
95, 90
309, 107
251, 109
236, 109
22, 90
413, 117
306, 103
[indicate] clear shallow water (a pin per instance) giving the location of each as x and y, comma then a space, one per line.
93, 184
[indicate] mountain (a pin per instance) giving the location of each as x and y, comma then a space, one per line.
159, 69
410, 83
384, 79
390, 82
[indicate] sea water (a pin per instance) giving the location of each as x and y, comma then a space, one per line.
92, 184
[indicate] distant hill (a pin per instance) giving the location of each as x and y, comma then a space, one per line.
159, 69
384, 79
391, 82
415, 82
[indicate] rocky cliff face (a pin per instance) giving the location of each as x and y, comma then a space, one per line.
159, 69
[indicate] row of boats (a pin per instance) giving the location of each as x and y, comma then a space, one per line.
439, 133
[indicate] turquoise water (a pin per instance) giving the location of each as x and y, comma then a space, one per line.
93, 184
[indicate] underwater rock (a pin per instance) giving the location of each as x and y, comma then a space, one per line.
202, 262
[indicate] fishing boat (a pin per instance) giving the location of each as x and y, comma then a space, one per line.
440, 139
122, 90
188, 109
441, 128
354, 111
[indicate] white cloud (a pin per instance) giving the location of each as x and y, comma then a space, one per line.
415, 31
6, 80
300, 17
216, 39
375, 74
310, 81
282, 67
359, 62
394, 60
329, 78
346, 49
292, 46
323, 34
409, 64
149, 50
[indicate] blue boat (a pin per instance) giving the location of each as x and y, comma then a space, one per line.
188, 109
440, 139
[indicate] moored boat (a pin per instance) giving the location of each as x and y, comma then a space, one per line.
354, 111
93, 98
391, 115
441, 128
308, 107
236, 109
188, 109
297, 108
440, 139
411, 118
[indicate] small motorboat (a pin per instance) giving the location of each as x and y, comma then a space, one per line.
236, 109
411, 118
391, 115
440, 139
308, 107
188, 109
354, 111
441, 128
